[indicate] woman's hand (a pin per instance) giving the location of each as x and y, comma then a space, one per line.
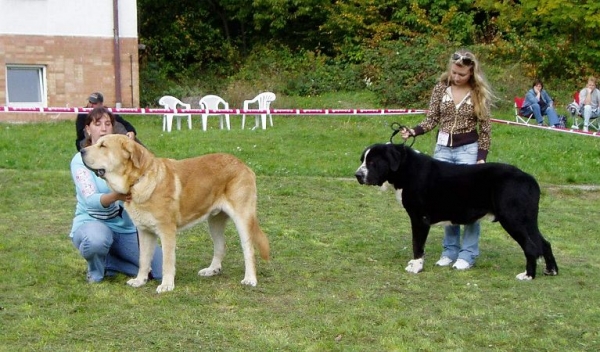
406, 133
108, 198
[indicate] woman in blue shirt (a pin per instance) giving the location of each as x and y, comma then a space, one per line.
538, 102
102, 230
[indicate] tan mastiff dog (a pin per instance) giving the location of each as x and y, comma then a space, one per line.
168, 195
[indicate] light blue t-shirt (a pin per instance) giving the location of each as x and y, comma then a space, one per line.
89, 188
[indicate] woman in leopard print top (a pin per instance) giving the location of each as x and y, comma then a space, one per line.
460, 102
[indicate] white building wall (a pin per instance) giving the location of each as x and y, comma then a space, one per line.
79, 18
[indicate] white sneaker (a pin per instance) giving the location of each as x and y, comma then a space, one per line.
461, 264
444, 261
585, 128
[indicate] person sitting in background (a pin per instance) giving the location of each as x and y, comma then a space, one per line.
121, 125
538, 102
589, 99
102, 230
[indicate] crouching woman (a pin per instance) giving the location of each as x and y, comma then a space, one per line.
102, 230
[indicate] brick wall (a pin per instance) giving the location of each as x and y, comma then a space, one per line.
75, 67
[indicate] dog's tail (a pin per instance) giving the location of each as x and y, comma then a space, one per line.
260, 239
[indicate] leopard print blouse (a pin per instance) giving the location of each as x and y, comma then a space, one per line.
460, 122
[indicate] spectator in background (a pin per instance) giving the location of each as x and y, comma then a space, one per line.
538, 102
589, 99
121, 126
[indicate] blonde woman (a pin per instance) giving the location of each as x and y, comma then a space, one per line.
460, 106
589, 101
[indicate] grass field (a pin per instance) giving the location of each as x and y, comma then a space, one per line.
336, 281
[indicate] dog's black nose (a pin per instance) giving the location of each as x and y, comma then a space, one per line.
359, 177
82, 151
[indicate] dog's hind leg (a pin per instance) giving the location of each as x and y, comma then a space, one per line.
216, 227
531, 245
551, 266
147, 243
244, 227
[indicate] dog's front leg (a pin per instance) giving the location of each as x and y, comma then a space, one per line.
147, 243
420, 231
168, 246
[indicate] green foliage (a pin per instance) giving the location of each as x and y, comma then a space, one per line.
308, 48
403, 72
550, 38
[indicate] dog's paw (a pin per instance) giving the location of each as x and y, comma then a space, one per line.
209, 271
524, 277
165, 287
415, 266
136, 282
250, 282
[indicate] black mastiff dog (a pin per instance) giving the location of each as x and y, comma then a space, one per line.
434, 191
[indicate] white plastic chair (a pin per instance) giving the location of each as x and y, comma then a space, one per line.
264, 101
213, 102
169, 102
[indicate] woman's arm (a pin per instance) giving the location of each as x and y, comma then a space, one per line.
93, 195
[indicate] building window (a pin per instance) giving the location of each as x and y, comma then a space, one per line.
26, 86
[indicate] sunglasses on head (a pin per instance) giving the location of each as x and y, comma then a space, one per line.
464, 59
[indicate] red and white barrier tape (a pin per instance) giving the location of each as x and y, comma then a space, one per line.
148, 111
144, 111
554, 129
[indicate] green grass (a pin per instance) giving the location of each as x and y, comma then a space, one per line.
336, 281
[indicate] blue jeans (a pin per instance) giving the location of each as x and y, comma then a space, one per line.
108, 252
469, 250
538, 113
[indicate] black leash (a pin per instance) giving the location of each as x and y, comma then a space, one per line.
396, 127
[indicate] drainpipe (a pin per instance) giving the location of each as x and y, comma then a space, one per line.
117, 54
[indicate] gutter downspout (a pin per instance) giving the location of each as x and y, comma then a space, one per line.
117, 54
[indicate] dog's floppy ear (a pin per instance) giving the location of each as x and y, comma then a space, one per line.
136, 153
394, 156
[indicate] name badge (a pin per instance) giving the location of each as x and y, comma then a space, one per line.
442, 138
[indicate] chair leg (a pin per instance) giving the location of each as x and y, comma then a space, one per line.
271, 119
594, 124
204, 118
243, 120
179, 123
227, 122
263, 120
190, 122
169, 122
575, 125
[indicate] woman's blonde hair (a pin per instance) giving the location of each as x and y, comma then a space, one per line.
481, 94
94, 116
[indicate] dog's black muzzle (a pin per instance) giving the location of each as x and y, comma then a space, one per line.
98, 172
360, 177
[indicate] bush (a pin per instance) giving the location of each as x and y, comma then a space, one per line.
403, 72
